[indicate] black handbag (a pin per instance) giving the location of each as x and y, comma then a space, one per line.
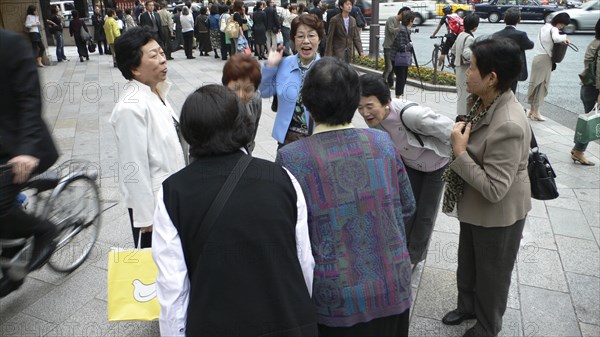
91, 46
541, 174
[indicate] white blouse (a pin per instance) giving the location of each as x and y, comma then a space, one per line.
187, 23
32, 22
548, 36
148, 146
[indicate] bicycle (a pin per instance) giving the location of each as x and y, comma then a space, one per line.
71, 201
435, 55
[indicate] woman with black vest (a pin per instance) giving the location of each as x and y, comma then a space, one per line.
230, 233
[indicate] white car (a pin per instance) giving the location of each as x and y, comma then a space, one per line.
424, 10
583, 18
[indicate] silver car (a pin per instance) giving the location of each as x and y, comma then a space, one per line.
583, 18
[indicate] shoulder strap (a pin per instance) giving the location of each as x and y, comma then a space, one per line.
533, 144
221, 199
406, 127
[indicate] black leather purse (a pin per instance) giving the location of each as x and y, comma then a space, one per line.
541, 174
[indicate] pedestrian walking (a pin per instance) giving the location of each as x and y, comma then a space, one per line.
112, 32
462, 52
215, 33
422, 137
99, 36
33, 25
56, 28
343, 36
242, 75
542, 65
392, 26
512, 17
250, 265
366, 290
146, 128
487, 186
402, 52
284, 77
589, 93
75, 28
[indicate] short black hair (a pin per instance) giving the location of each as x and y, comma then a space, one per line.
563, 18
408, 17
214, 121
337, 78
512, 16
502, 56
471, 22
129, 49
214, 10
31, 9
316, 2
403, 9
110, 12
374, 85
75, 14
342, 2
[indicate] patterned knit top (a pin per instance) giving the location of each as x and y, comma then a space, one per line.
358, 197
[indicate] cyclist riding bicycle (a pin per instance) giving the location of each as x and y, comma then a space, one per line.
26, 144
454, 25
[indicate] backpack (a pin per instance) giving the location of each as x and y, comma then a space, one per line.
233, 28
358, 16
455, 24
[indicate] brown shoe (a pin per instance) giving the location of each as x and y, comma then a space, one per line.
578, 157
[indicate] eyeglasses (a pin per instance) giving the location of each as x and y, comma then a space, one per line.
310, 37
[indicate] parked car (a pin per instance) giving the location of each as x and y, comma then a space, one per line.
583, 18
460, 9
424, 10
530, 9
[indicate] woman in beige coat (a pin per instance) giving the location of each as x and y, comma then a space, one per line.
487, 184
343, 35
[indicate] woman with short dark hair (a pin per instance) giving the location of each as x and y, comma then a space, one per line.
242, 75
259, 31
146, 128
283, 77
201, 31
213, 25
487, 186
32, 22
359, 197
250, 273
462, 53
542, 66
75, 28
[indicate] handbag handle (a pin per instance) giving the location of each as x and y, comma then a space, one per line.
224, 193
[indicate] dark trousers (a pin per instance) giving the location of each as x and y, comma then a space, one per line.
224, 47
145, 237
588, 95
100, 44
401, 75
396, 326
388, 72
427, 188
187, 43
167, 41
486, 257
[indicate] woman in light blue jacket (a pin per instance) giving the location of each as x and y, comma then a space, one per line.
283, 78
423, 139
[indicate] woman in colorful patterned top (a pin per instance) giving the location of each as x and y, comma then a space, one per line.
358, 198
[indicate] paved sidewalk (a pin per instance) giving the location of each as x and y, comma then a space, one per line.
555, 289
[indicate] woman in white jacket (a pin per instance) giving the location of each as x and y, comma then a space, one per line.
146, 129
423, 139
542, 66
461, 48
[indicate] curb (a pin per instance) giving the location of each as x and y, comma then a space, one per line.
411, 82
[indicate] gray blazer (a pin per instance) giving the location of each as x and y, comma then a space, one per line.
497, 191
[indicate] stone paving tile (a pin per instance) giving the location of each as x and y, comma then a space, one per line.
541, 268
427, 327
437, 293
513, 292
538, 233
585, 292
538, 209
69, 297
588, 194
591, 209
14, 303
596, 231
564, 202
589, 330
25, 325
579, 256
443, 251
446, 223
511, 324
547, 313
569, 223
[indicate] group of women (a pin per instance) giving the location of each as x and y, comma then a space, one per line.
323, 241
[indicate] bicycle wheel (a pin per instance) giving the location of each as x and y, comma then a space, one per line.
434, 58
75, 209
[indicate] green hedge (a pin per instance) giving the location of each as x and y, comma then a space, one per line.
444, 78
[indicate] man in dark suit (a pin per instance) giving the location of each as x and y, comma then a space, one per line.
271, 24
151, 19
26, 144
512, 17
316, 10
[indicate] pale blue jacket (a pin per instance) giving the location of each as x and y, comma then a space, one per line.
284, 80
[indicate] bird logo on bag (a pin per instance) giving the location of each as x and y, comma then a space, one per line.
143, 292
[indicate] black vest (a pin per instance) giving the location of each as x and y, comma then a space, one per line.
247, 281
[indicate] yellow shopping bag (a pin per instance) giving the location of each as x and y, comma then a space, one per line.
132, 285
